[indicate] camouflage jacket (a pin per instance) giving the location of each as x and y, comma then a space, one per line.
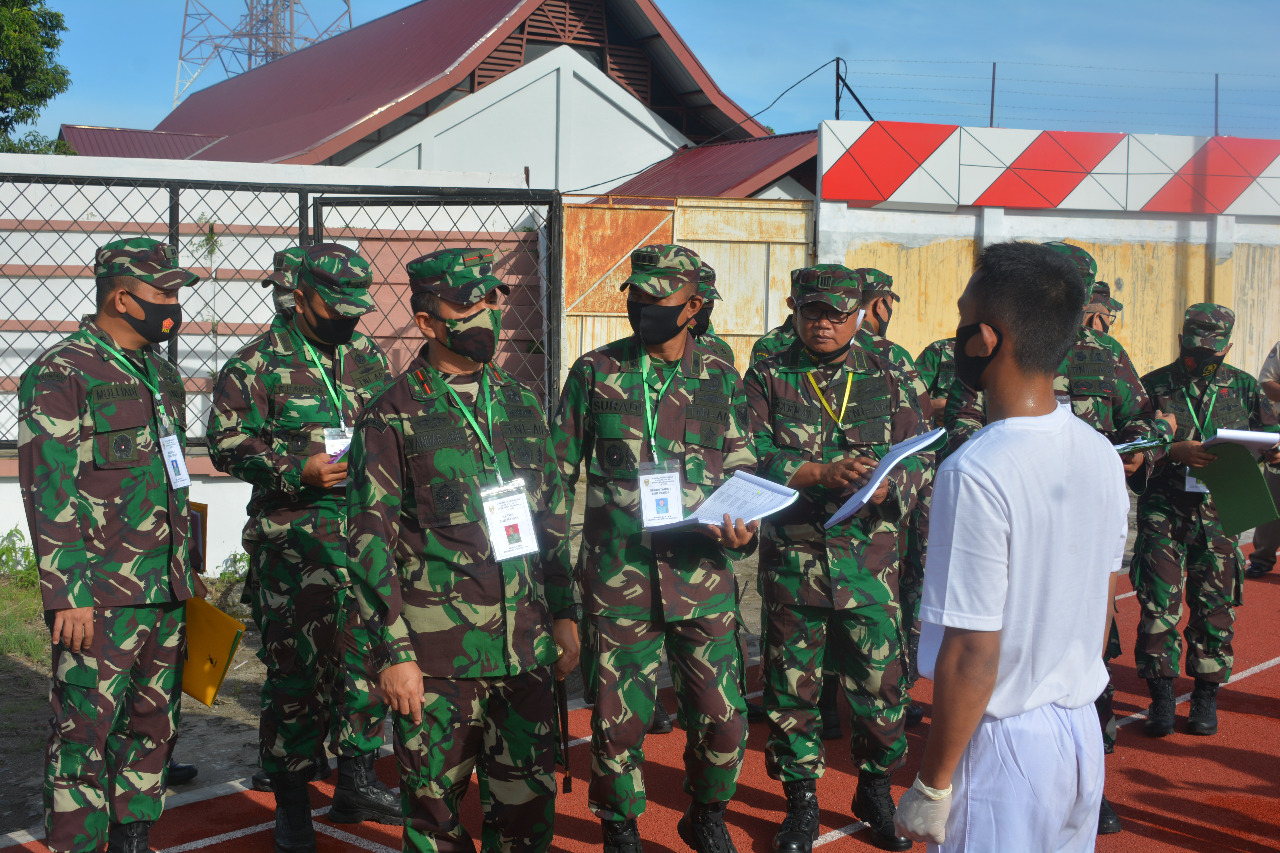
421, 563
1103, 387
1238, 403
270, 410
853, 563
936, 365
774, 341
106, 528
717, 345
628, 573
894, 354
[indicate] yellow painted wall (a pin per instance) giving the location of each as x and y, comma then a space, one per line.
1257, 304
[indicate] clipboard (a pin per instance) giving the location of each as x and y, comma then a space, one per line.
198, 543
1239, 492
212, 640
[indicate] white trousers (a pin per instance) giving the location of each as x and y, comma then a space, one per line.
1029, 784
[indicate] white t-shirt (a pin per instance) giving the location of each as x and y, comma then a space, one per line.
1029, 519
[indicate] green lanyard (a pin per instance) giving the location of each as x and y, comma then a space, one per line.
165, 420
1203, 430
650, 416
333, 393
487, 442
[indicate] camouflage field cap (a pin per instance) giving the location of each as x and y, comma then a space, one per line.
876, 283
707, 283
662, 269
831, 284
1100, 300
340, 276
461, 276
145, 259
1083, 260
284, 275
1207, 325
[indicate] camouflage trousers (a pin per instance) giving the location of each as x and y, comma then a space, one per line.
115, 717
504, 728
706, 667
1105, 703
1181, 550
911, 575
317, 680
864, 651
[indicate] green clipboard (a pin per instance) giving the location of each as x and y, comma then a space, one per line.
1239, 491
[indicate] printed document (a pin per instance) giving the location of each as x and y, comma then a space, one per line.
743, 496
884, 467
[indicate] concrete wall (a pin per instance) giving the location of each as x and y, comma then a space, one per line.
559, 116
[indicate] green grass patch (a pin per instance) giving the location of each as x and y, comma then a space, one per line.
22, 628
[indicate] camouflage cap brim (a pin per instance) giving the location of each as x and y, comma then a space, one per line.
872, 294
475, 292
283, 279
845, 303
660, 284
708, 292
345, 301
169, 280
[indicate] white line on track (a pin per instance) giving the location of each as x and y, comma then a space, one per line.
1126, 595
357, 841
1253, 670
837, 834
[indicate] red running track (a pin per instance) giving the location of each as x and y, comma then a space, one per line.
1182, 792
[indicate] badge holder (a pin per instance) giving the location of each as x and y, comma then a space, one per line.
509, 521
175, 466
337, 440
1194, 486
661, 493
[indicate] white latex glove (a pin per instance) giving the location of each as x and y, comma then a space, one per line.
922, 813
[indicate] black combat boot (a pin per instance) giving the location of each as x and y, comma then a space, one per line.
799, 828
294, 832
914, 714
829, 706
756, 713
181, 774
621, 836
874, 804
361, 796
1203, 719
703, 829
262, 779
129, 837
1160, 714
661, 724
1108, 820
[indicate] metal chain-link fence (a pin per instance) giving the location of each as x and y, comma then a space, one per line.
228, 233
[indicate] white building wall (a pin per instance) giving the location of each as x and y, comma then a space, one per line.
560, 117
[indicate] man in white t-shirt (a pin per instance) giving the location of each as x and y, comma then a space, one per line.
1017, 603
1266, 537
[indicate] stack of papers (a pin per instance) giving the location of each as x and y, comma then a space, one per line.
1142, 444
1255, 441
743, 496
896, 454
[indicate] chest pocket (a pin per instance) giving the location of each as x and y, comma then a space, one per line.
121, 427
1181, 413
1229, 412
1091, 384
300, 412
943, 380
797, 426
444, 469
706, 422
619, 437
868, 419
524, 434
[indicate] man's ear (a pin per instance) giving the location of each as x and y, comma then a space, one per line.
695, 304
423, 321
989, 340
1227, 350
791, 304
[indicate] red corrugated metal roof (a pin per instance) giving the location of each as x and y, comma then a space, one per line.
123, 142
309, 105
734, 169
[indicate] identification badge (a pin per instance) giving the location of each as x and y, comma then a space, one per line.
336, 441
660, 493
1193, 485
174, 465
510, 523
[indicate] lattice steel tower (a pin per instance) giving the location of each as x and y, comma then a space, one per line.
264, 31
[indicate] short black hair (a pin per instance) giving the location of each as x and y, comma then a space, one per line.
1037, 296
423, 302
108, 285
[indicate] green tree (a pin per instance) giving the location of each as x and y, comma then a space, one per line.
30, 76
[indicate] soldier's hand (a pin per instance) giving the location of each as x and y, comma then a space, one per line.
1272, 456
401, 685
565, 633
731, 534
1190, 453
842, 472
1168, 417
320, 474
1132, 462
881, 492
73, 628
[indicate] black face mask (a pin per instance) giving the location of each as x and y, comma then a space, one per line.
654, 324
701, 321
884, 324
474, 337
1201, 362
159, 322
334, 331
969, 367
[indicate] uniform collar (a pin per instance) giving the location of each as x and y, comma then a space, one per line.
692, 365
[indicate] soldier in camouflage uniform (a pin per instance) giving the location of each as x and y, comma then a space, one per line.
703, 332
107, 513
1101, 310
776, 340
657, 398
1181, 544
283, 408
1099, 380
822, 413
465, 642
283, 280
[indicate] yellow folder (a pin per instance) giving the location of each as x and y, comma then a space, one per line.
212, 640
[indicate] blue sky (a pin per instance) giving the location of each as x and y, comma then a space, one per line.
1119, 65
